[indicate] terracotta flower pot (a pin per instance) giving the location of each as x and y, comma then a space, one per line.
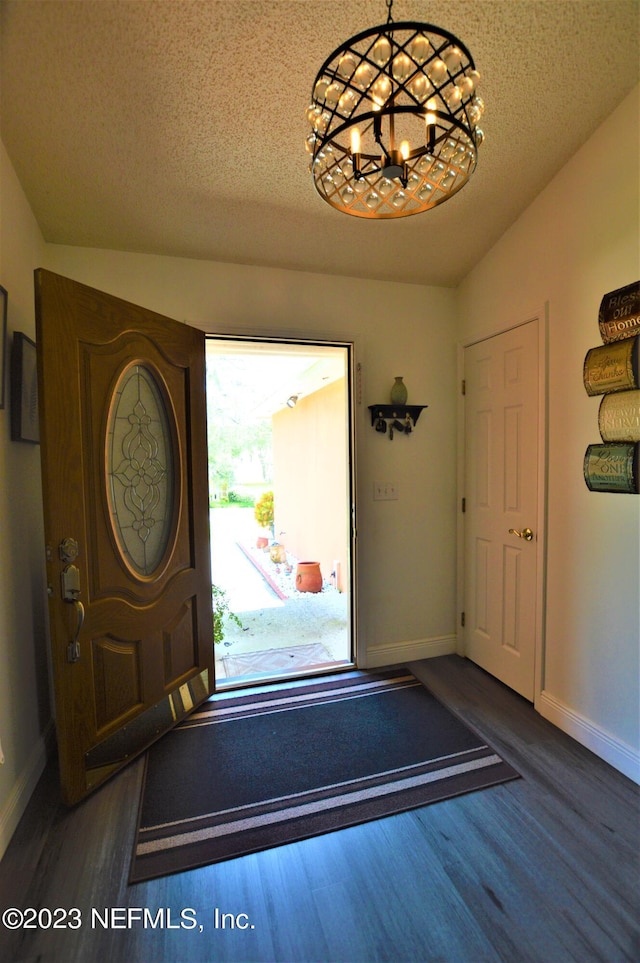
308, 577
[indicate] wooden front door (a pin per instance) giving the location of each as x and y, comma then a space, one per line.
501, 494
124, 465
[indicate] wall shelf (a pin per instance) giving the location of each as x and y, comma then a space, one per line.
402, 418
396, 411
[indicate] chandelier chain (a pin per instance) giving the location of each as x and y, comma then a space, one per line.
389, 6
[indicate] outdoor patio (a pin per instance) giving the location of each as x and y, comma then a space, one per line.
279, 635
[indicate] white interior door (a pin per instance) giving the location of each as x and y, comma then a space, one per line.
501, 495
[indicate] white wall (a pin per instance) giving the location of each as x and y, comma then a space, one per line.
406, 548
24, 700
577, 241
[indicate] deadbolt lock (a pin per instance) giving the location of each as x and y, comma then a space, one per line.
68, 549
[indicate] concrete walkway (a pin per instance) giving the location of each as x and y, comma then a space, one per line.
230, 568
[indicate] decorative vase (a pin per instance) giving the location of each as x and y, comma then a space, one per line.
308, 577
399, 393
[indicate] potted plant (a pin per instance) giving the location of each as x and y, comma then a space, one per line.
263, 513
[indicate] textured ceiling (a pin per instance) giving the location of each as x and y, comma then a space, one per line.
177, 126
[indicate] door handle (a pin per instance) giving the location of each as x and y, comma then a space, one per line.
73, 649
526, 533
70, 578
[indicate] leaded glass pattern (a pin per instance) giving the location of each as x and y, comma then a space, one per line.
140, 470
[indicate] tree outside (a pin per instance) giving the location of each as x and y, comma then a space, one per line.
240, 437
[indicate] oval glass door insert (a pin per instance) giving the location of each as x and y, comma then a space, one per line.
140, 470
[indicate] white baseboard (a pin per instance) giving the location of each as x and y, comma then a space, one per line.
12, 811
617, 753
393, 652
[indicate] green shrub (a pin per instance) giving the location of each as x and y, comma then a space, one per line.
221, 611
264, 511
240, 501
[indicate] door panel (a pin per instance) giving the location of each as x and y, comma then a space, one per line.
501, 440
123, 430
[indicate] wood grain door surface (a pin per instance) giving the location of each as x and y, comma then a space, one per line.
501, 491
124, 464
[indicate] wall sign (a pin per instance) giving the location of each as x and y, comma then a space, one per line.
619, 315
613, 371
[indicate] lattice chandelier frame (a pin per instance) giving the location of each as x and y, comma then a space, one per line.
394, 114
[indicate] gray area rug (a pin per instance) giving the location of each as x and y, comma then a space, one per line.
256, 768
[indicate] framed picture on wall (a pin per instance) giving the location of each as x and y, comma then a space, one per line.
4, 297
24, 390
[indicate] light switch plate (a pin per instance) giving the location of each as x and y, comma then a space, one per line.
385, 491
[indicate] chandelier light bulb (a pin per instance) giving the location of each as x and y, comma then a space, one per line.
381, 90
332, 94
405, 83
420, 87
363, 76
419, 49
466, 86
452, 58
347, 66
437, 71
403, 67
381, 51
320, 89
347, 102
454, 96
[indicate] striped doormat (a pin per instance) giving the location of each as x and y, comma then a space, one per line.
258, 768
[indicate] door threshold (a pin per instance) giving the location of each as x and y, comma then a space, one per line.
265, 678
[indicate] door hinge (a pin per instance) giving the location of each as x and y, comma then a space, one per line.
463, 386
464, 505
462, 619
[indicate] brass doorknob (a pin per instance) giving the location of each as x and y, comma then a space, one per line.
526, 533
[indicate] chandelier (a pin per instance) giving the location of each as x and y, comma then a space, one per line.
394, 114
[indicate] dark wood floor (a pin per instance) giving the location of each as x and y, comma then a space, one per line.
541, 869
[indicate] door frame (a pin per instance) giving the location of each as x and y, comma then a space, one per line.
541, 316
354, 398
